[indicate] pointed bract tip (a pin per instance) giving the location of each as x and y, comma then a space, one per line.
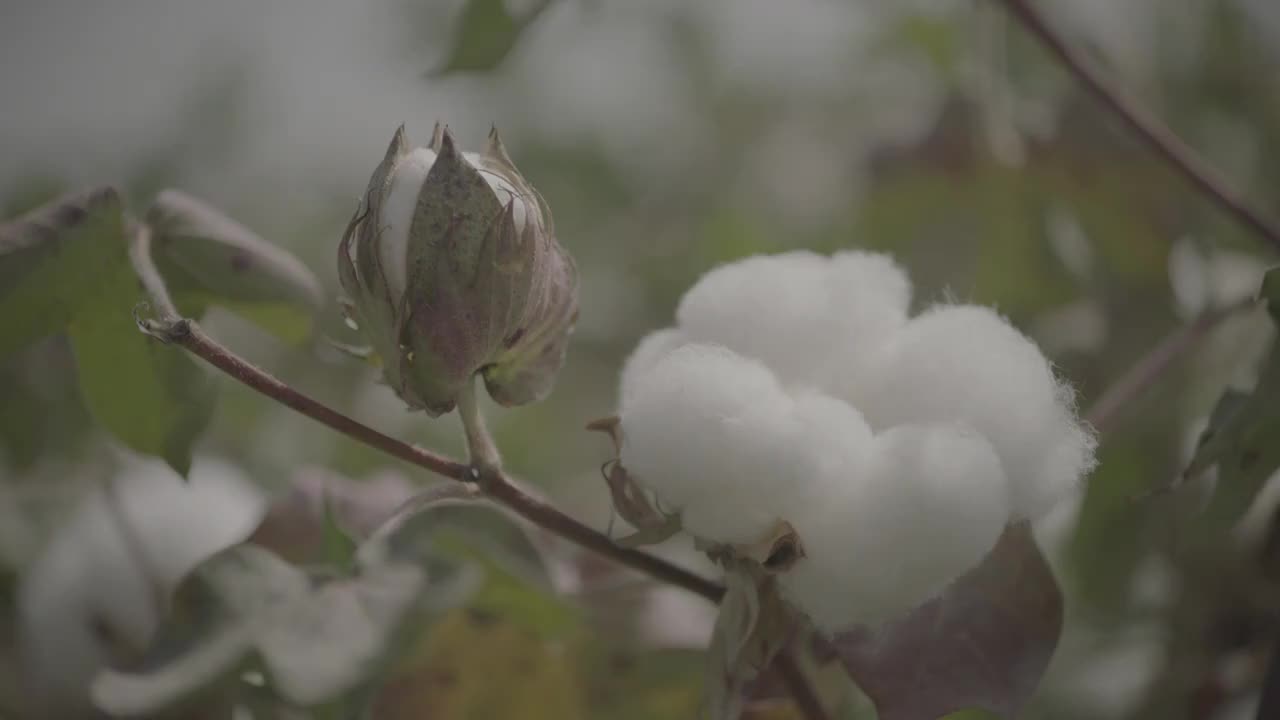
437, 136
447, 146
498, 151
399, 143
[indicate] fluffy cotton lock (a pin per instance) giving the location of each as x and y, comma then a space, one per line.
967, 364
796, 388
804, 315
720, 441
926, 506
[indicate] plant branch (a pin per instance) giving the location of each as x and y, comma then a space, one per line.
188, 334
793, 677
1151, 366
1146, 126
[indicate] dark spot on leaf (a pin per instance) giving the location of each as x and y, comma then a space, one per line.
481, 618
513, 338
621, 662
1248, 458
442, 678
240, 262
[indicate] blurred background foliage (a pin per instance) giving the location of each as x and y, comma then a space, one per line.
669, 137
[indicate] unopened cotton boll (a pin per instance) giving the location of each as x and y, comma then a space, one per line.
452, 268
803, 314
927, 503
88, 580
967, 364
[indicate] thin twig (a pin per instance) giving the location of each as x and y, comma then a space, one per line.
1151, 130
144, 266
189, 335
1151, 366
793, 677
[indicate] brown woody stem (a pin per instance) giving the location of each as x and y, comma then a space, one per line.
1150, 367
1145, 125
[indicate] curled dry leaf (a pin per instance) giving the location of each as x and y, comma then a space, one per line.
983, 644
753, 625
206, 256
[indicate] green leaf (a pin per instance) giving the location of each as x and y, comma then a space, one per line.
1270, 293
486, 33
56, 259
457, 517
451, 522
337, 547
151, 397
1243, 441
207, 257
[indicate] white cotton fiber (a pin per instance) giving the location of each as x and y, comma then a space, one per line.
795, 389
716, 438
802, 314
650, 350
967, 364
401, 204
926, 505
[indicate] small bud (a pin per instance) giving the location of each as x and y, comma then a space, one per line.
453, 268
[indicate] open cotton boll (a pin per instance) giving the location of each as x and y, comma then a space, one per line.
967, 364
924, 506
651, 349
801, 313
717, 439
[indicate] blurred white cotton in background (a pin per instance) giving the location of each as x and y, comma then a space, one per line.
87, 589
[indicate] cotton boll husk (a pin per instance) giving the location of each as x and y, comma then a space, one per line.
967, 364
88, 576
651, 349
717, 439
803, 314
925, 504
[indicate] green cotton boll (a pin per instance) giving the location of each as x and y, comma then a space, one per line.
452, 268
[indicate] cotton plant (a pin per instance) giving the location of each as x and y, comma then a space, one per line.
846, 460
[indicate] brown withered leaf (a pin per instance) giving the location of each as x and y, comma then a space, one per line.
983, 644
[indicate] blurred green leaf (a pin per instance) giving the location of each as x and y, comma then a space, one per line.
337, 547
451, 521
478, 666
153, 398
644, 685
452, 514
486, 33
1243, 441
55, 260
207, 258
